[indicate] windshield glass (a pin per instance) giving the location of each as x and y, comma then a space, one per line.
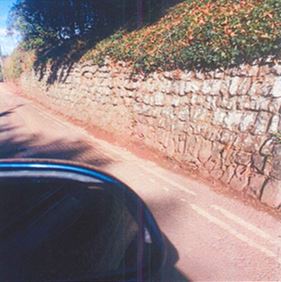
63, 230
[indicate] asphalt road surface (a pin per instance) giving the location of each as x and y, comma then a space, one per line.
212, 237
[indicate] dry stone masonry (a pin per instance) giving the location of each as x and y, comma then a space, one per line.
220, 123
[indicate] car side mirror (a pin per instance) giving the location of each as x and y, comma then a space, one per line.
67, 222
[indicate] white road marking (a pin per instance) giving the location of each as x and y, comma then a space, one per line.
50, 117
247, 225
235, 233
85, 133
168, 180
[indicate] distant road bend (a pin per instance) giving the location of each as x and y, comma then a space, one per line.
211, 236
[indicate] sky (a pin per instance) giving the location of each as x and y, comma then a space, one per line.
7, 43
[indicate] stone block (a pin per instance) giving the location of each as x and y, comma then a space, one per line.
216, 174
268, 166
200, 75
211, 164
274, 106
264, 70
243, 158
206, 87
244, 86
159, 99
262, 122
247, 121
254, 88
175, 102
215, 87
276, 89
130, 86
227, 103
276, 69
267, 147
228, 174
253, 70
271, 195
256, 184
147, 99
188, 75
232, 120
211, 103
274, 124
190, 144
227, 137
234, 85
181, 146
192, 87
171, 148
258, 161
199, 114
266, 88
181, 88
197, 99
276, 162
184, 114
240, 179
205, 151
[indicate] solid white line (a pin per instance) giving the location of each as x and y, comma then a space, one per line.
247, 225
168, 180
235, 233
50, 117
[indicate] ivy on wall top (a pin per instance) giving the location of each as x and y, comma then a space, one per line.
199, 34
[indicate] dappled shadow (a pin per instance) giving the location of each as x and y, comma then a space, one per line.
7, 128
6, 113
10, 111
62, 57
17, 147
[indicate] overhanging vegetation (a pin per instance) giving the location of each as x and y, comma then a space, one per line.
199, 34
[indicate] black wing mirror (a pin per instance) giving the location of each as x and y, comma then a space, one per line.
66, 222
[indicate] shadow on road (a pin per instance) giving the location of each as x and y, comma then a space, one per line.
168, 221
12, 145
10, 111
170, 272
17, 147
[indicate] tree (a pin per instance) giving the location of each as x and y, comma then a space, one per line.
42, 22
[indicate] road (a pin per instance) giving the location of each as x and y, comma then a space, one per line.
212, 237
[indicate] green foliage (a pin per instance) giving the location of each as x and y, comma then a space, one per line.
17, 63
199, 34
50, 23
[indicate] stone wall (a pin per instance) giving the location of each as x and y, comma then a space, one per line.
221, 124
